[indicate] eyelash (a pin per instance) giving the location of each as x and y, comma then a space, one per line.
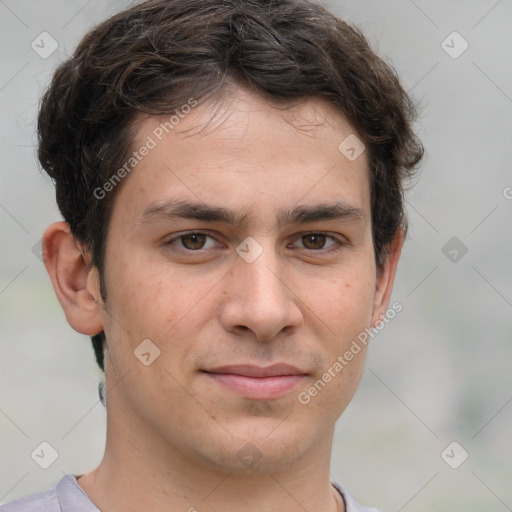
332, 249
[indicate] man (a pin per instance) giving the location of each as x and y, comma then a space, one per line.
230, 176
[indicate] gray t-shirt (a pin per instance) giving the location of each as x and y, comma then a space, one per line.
68, 496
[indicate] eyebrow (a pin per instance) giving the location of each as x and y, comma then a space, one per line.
170, 209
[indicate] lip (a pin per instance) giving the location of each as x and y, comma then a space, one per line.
256, 382
250, 370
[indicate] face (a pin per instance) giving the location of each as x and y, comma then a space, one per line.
239, 268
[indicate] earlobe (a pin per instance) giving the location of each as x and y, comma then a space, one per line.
70, 276
386, 278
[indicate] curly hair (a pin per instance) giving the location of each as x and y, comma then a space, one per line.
151, 58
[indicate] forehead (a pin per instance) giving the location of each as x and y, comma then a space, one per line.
240, 114
246, 150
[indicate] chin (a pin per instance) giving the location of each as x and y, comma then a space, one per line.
256, 451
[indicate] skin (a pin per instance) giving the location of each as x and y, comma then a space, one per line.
173, 433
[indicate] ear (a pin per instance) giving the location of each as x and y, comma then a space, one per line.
386, 277
76, 286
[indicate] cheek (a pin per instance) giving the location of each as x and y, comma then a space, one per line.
132, 306
136, 286
347, 312
345, 304
150, 299
342, 311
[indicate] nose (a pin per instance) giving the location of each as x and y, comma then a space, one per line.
259, 299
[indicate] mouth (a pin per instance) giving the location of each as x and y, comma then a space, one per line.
256, 382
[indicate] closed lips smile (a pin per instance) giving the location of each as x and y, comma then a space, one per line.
256, 382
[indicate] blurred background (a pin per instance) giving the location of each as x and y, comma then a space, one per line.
430, 425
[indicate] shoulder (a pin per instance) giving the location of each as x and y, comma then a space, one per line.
46, 501
350, 503
66, 496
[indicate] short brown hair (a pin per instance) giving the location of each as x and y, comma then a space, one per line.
153, 57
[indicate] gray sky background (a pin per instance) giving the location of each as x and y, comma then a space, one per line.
438, 373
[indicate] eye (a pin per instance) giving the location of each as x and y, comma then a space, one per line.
193, 241
317, 241
197, 241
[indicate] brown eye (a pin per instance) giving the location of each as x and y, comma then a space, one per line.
193, 241
321, 243
314, 241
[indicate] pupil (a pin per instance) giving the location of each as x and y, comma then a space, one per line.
316, 240
197, 239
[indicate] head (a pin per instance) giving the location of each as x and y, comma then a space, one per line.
238, 120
